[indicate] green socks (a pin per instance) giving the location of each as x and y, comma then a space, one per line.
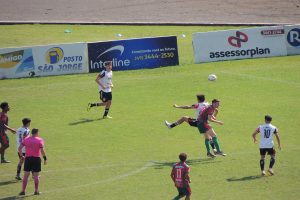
215, 139
207, 143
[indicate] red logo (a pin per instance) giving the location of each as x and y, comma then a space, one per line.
237, 40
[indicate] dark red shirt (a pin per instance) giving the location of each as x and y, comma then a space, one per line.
179, 172
3, 121
204, 114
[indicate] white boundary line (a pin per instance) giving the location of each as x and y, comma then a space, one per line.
79, 168
122, 176
119, 177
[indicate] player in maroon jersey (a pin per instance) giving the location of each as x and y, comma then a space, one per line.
4, 140
181, 178
205, 128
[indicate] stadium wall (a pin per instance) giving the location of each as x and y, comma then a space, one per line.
88, 57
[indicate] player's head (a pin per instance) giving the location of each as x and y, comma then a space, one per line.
268, 118
26, 122
182, 157
201, 98
35, 131
4, 106
215, 103
108, 65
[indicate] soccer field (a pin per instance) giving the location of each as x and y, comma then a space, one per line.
130, 156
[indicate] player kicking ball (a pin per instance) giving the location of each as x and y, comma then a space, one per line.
104, 81
266, 144
199, 106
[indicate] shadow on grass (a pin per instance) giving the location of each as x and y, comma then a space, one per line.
15, 197
8, 182
246, 178
160, 165
84, 120
177, 197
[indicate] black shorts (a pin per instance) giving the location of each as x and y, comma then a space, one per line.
105, 96
270, 151
192, 122
32, 164
184, 191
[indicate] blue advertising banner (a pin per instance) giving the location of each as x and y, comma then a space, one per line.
134, 53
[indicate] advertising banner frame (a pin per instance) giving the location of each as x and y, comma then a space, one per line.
135, 53
236, 44
43, 60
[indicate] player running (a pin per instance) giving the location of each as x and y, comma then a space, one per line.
104, 80
201, 105
34, 146
4, 140
180, 176
204, 127
22, 133
266, 144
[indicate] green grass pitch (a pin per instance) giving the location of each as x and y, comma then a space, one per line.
130, 156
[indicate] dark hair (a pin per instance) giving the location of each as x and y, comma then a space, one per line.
268, 118
26, 121
215, 101
108, 63
4, 105
182, 157
201, 97
34, 131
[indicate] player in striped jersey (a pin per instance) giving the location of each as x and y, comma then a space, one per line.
104, 81
180, 176
204, 127
22, 133
266, 144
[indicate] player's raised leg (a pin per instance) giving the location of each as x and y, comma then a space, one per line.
178, 122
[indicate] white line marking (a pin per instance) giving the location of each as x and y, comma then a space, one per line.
80, 168
122, 176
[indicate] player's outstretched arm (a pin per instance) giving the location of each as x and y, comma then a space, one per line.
11, 129
183, 107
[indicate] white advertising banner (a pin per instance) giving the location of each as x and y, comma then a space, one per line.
43, 60
239, 44
60, 59
292, 39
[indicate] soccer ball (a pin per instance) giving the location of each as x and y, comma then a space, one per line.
212, 77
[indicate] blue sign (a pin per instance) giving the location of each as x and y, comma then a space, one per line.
134, 53
293, 37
